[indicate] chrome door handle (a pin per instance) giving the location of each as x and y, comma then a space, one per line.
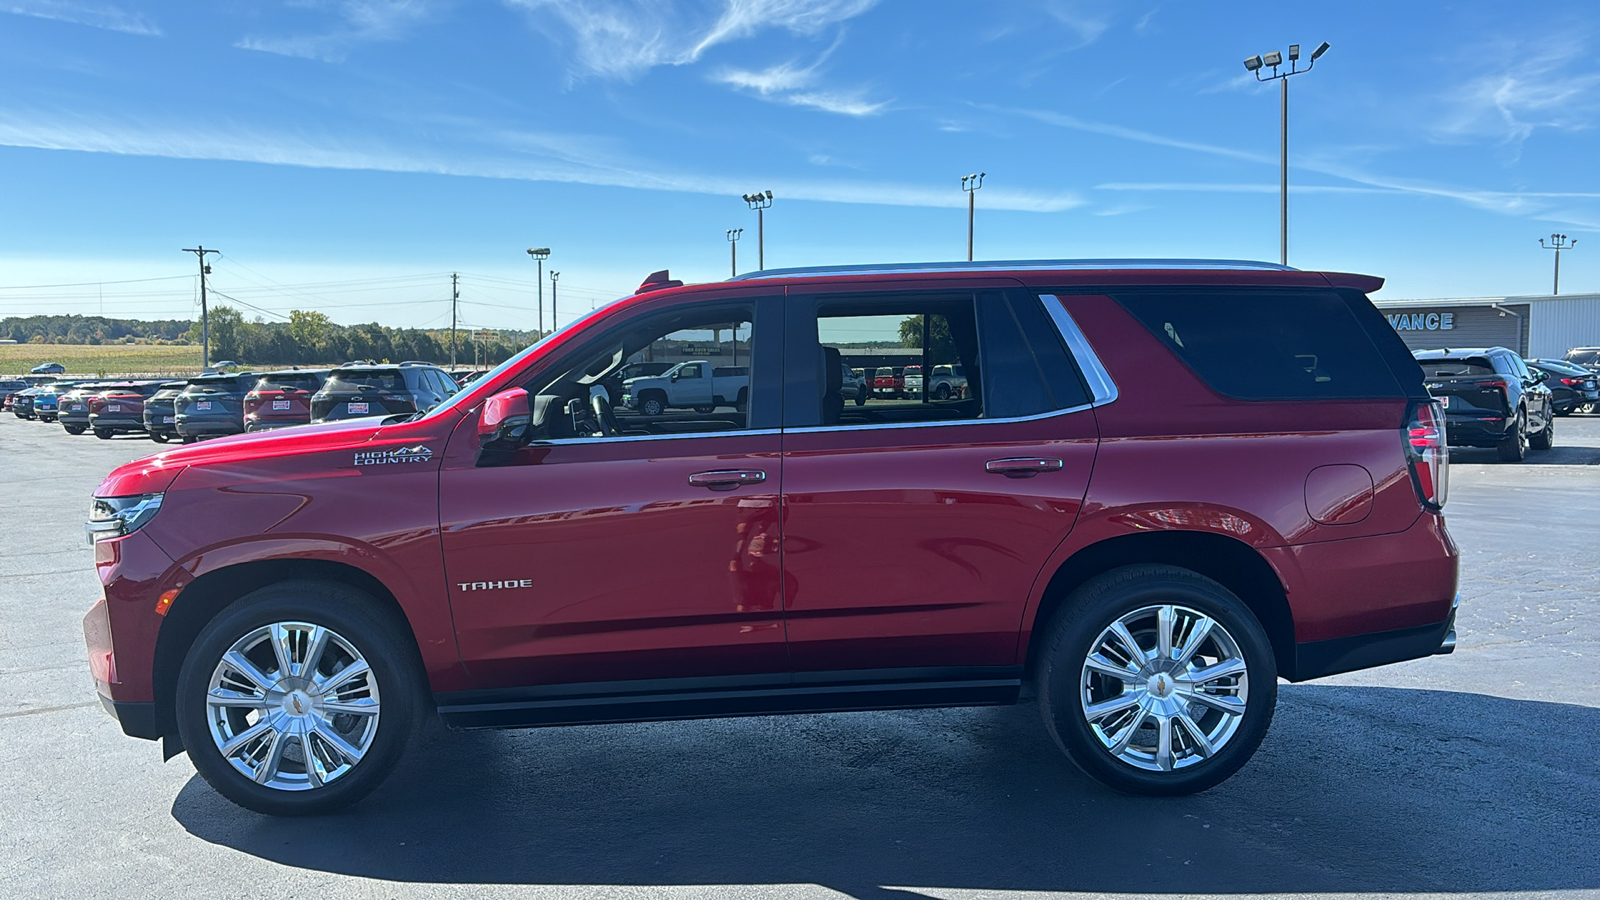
1021, 467
727, 479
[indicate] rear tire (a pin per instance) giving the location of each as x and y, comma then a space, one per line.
324, 738
942, 392
159, 437
1546, 438
1514, 446
103, 434
1159, 723
74, 429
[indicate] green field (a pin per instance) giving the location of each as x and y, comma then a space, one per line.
102, 360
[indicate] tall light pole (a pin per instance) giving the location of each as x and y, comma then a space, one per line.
200, 252
760, 201
554, 322
1558, 243
971, 184
540, 254
455, 300
733, 245
1273, 60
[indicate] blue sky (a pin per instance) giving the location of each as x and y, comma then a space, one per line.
347, 155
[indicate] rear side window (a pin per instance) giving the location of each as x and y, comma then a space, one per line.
1025, 376
1268, 345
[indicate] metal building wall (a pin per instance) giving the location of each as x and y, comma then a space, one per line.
1561, 323
1444, 325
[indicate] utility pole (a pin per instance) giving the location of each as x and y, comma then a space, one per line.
200, 252
760, 201
1558, 243
554, 322
1273, 60
540, 254
971, 184
455, 297
733, 245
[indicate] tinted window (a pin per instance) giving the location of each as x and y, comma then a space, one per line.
1583, 357
1061, 376
919, 333
1461, 367
1013, 384
1267, 345
289, 381
383, 380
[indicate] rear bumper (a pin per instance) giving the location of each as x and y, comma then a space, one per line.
207, 427
1483, 431
1347, 654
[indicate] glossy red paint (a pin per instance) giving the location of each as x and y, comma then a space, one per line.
593, 560
502, 406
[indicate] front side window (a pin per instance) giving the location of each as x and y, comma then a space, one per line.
681, 372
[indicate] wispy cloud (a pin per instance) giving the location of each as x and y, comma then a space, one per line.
83, 12
623, 38
1087, 20
1551, 84
524, 157
360, 21
783, 83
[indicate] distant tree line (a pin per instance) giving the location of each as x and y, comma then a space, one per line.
308, 338
92, 330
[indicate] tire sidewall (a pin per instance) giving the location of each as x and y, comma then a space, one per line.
356, 618
1092, 608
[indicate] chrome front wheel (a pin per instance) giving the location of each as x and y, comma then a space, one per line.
293, 706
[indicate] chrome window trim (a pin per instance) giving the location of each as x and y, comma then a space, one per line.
884, 426
1012, 265
1102, 389
619, 438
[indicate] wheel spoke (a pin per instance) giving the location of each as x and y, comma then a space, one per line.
225, 698
1125, 737
342, 677
236, 661
1197, 636
314, 647
1098, 663
1232, 706
1198, 737
314, 770
1166, 618
244, 738
1222, 669
1164, 743
268, 767
1094, 712
362, 706
1135, 652
281, 635
328, 736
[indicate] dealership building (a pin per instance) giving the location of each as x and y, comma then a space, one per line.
1538, 327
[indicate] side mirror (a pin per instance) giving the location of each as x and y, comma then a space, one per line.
506, 421
675, 376
1541, 377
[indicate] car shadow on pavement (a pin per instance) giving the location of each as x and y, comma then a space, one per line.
1354, 789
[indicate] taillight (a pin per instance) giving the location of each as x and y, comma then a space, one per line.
1572, 382
1427, 453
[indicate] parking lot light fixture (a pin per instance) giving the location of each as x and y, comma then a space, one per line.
971, 184
554, 321
733, 245
540, 254
1558, 243
1274, 60
760, 201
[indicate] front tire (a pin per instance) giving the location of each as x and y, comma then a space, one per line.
299, 699
651, 406
1148, 714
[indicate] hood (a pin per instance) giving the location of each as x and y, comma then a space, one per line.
156, 473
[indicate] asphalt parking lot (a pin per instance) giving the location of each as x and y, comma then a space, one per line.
1475, 773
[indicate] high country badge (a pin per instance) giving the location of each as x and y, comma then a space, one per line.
418, 454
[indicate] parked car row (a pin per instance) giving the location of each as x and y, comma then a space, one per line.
948, 382
220, 404
1493, 398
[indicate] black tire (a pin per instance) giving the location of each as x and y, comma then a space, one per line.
652, 406
861, 397
187, 438
103, 434
1076, 630
74, 429
705, 410
356, 617
942, 392
159, 437
1545, 438
1514, 446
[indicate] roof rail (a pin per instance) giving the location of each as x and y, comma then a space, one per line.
1007, 265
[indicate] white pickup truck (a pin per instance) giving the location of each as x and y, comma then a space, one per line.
688, 385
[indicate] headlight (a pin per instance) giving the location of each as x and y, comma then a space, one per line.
114, 517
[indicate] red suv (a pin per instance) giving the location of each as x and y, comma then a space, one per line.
1168, 485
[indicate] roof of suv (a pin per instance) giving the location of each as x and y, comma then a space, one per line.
1012, 265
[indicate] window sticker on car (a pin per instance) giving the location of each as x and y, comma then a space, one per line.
203, 405
280, 404
355, 408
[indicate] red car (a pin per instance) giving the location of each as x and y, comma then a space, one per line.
119, 409
281, 399
885, 383
1168, 485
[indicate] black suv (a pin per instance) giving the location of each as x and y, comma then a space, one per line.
1491, 399
212, 405
356, 391
160, 420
